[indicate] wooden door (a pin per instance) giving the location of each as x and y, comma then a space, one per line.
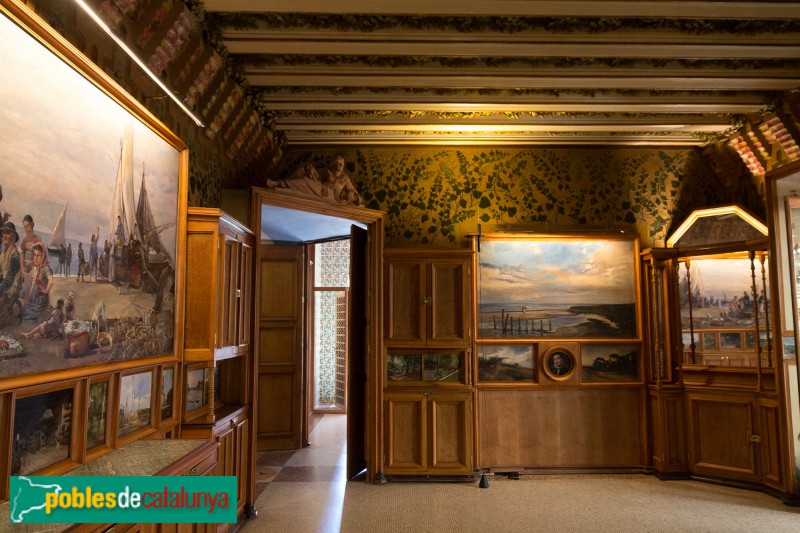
449, 292
405, 302
280, 350
356, 355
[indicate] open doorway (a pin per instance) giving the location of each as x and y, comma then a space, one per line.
298, 377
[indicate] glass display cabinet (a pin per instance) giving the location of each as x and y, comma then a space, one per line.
713, 387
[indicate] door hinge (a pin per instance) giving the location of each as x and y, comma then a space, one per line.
469, 271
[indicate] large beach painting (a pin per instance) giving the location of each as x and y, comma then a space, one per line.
557, 287
89, 200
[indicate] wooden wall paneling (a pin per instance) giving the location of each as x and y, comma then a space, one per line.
667, 430
770, 446
561, 428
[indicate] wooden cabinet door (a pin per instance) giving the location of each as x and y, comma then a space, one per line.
406, 433
449, 301
241, 462
720, 430
225, 452
406, 313
228, 277
245, 296
450, 415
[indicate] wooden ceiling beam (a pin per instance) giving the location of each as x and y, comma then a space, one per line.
466, 48
528, 82
515, 8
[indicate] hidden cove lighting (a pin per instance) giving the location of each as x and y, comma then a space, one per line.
94, 16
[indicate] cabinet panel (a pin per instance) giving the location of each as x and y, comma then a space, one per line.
242, 456
721, 428
428, 433
229, 272
405, 287
427, 296
449, 290
405, 433
451, 421
245, 295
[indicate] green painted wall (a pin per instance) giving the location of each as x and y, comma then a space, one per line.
437, 195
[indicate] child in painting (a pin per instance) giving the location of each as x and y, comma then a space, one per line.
51, 327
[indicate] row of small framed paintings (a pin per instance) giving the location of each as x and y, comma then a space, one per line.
58, 426
595, 363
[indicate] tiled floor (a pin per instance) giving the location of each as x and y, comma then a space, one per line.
303, 490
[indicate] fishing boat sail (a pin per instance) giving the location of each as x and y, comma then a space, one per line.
149, 231
57, 238
123, 217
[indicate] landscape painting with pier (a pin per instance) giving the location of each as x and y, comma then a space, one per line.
557, 287
89, 200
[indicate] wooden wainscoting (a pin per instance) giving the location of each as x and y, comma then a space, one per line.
568, 428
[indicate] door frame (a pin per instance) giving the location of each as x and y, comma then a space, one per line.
374, 286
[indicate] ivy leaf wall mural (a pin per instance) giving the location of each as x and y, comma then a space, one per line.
435, 196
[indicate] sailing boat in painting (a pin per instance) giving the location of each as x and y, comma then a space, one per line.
57, 239
140, 258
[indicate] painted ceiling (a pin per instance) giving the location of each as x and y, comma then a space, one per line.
625, 72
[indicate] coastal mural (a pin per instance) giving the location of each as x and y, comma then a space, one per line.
89, 205
557, 288
721, 292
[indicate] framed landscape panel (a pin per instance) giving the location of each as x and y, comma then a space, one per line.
167, 402
135, 402
502, 363
94, 193
197, 384
569, 287
98, 414
42, 431
609, 362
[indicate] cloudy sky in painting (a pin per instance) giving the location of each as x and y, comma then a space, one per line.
135, 391
723, 278
61, 142
522, 355
556, 272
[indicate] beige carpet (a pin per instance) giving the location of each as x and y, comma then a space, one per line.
564, 503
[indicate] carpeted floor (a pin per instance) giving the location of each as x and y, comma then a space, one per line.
305, 491
564, 503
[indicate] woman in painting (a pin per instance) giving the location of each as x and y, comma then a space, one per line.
28, 242
38, 298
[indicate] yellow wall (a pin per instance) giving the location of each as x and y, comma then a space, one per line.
437, 195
